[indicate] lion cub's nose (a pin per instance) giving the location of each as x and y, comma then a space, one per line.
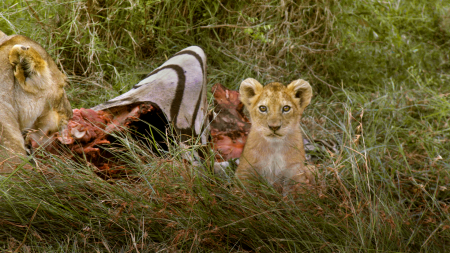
274, 128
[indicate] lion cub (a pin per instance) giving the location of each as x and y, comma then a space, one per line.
274, 148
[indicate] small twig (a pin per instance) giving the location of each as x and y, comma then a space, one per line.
312, 72
28, 229
227, 25
36, 16
329, 85
193, 242
360, 42
249, 217
432, 233
227, 9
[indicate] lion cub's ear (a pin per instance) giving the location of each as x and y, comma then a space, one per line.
30, 70
301, 89
248, 89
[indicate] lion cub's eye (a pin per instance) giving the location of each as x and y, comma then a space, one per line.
263, 108
286, 108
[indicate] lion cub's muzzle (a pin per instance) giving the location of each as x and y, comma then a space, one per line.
274, 125
274, 128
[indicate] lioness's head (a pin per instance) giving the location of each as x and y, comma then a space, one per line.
275, 110
32, 93
42, 83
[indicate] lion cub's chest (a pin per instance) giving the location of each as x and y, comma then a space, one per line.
273, 162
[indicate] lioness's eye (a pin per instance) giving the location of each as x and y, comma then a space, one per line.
262, 108
286, 108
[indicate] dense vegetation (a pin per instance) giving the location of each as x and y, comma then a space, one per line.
380, 71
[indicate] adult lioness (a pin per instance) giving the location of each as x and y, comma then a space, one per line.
274, 147
32, 96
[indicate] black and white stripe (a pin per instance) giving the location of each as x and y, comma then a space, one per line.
178, 87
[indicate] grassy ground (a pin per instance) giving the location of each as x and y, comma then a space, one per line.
380, 71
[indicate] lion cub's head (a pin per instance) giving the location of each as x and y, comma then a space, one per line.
275, 109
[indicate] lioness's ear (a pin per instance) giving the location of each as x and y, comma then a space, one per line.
30, 70
301, 90
248, 89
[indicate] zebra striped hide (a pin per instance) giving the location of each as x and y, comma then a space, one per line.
178, 88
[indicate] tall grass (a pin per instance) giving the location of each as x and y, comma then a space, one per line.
380, 74
107, 46
385, 191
